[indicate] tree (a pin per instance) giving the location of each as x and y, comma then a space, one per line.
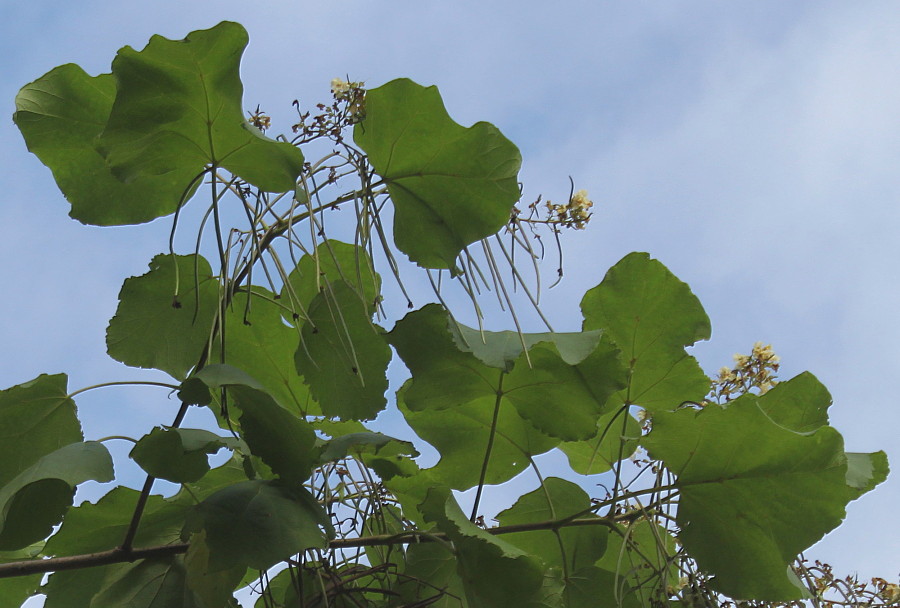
717, 486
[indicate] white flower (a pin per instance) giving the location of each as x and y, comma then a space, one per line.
339, 86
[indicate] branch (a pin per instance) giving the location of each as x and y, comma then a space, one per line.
119, 555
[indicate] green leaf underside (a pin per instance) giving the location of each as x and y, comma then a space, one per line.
559, 398
149, 583
639, 557
501, 349
360, 443
331, 261
212, 588
865, 471
284, 442
343, 356
258, 524
557, 499
60, 116
258, 342
178, 455
651, 316
178, 103
800, 404
100, 526
451, 185
15, 590
153, 327
611, 444
775, 492
461, 436
36, 418
494, 572
36, 499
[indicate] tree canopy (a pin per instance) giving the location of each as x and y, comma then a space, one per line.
710, 488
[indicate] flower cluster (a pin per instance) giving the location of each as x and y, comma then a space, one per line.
575, 214
347, 109
353, 93
259, 119
754, 371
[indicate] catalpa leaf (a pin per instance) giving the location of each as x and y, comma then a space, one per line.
164, 317
560, 399
865, 471
331, 261
93, 527
36, 418
501, 349
451, 185
259, 343
557, 499
149, 583
494, 573
640, 556
343, 355
753, 494
35, 500
178, 104
651, 316
462, 434
258, 524
178, 455
214, 589
61, 115
617, 437
284, 441
800, 404
16, 590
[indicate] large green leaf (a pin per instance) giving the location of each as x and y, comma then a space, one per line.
461, 435
259, 343
331, 261
651, 316
640, 557
213, 589
617, 437
560, 385
149, 583
258, 524
561, 399
178, 104
494, 572
36, 499
343, 356
178, 455
100, 526
451, 185
556, 499
18, 589
865, 471
61, 115
285, 442
443, 376
800, 404
36, 418
501, 349
162, 321
753, 494
430, 575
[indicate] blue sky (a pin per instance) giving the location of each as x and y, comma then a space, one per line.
750, 146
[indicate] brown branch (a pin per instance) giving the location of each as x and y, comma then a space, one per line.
119, 555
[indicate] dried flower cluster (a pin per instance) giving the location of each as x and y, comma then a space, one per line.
347, 109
